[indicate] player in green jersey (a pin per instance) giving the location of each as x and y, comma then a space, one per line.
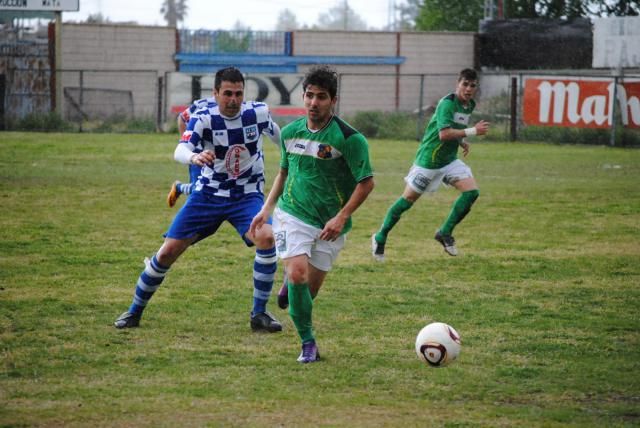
325, 175
437, 162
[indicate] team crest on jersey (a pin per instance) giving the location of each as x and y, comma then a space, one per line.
251, 132
324, 151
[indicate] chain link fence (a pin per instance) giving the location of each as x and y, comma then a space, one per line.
568, 108
92, 100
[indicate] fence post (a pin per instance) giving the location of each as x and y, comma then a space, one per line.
58, 65
196, 87
514, 109
420, 110
81, 98
159, 113
614, 104
3, 85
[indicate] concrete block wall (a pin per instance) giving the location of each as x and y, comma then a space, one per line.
112, 48
119, 53
441, 55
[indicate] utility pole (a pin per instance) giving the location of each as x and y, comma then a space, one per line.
346, 15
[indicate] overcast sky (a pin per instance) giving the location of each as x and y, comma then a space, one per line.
223, 14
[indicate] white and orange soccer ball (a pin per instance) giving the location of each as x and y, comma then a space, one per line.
438, 344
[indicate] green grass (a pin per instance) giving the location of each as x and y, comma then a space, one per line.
545, 295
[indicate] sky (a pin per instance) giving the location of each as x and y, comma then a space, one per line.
223, 14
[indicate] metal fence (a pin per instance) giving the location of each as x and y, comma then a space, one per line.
222, 42
142, 100
586, 107
91, 99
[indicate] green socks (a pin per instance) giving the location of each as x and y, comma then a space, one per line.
392, 217
460, 209
300, 308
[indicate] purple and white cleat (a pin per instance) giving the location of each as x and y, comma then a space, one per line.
310, 353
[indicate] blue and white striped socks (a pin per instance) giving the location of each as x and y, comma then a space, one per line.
148, 282
264, 269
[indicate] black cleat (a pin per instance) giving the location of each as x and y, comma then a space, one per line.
264, 321
447, 242
127, 320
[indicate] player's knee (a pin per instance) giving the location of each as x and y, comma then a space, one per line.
263, 239
297, 274
472, 194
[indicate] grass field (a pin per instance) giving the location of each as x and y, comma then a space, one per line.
546, 296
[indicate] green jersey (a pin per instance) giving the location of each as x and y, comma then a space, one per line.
323, 167
450, 113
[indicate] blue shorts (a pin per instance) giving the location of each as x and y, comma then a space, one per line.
203, 214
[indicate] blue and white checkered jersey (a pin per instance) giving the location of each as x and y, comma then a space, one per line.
238, 168
195, 106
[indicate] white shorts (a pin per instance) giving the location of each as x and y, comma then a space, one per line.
294, 237
423, 180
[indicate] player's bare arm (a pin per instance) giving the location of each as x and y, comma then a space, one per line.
480, 128
276, 190
333, 227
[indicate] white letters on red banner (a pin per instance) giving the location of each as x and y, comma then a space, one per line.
580, 103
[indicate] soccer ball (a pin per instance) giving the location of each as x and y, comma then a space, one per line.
438, 344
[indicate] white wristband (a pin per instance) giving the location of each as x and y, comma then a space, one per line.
183, 154
470, 132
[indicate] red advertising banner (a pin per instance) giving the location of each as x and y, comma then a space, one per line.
579, 103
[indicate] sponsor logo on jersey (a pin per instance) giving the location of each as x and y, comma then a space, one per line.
461, 118
218, 133
237, 160
251, 132
324, 151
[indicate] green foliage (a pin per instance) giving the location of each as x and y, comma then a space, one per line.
44, 122
569, 8
560, 135
387, 125
545, 295
121, 124
444, 15
237, 41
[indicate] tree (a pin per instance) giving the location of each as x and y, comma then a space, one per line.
174, 11
445, 15
287, 21
570, 8
341, 17
408, 14
615, 8
97, 18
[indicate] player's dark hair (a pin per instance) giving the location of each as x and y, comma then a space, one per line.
229, 74
324, 77
468, 74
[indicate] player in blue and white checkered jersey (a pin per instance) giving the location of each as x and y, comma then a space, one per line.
230, 188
